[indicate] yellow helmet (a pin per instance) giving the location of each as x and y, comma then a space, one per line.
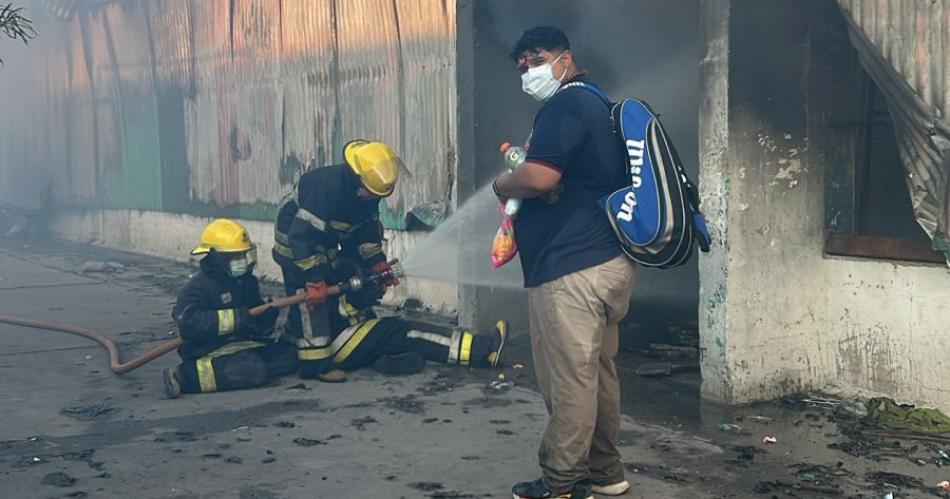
375, 163
224, 236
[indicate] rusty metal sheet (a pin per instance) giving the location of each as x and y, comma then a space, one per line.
428, 63
80, 123
371, 92
215, 107
171, 42
309, 80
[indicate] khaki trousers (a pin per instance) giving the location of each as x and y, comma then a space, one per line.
574, 339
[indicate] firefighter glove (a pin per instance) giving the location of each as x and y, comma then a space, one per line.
316, 294
263, 324
243, 322
368, 296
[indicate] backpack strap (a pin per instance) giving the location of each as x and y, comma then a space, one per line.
610, 112
590, 88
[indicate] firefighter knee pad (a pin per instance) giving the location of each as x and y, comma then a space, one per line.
242, 370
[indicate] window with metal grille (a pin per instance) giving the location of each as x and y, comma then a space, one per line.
884, 223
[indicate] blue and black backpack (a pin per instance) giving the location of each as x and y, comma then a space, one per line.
656, 217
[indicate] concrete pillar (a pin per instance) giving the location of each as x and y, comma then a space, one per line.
714, 187
466, 182
770, 76
760, 291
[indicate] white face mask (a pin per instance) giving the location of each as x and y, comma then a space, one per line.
240, 266
237, 268
539, 82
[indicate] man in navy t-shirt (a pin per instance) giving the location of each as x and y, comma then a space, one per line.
579, 281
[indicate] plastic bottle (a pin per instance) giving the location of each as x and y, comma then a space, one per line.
513, 156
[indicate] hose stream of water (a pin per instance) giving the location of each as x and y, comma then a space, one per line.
459, 249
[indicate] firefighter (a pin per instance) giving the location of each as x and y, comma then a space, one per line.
225, 348
332, 212
394, 345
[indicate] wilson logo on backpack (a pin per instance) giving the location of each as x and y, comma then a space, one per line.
635, 153
657, 216
626, 209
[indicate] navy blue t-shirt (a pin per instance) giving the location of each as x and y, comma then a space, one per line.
566, 231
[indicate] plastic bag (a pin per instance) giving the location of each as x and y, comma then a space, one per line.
504, 247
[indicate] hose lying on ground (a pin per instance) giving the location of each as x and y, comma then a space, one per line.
122, 368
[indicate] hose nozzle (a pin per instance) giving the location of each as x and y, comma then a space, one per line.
394, 272
352, 284
397, 271
356, 283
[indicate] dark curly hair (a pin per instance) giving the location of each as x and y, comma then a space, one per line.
540, 38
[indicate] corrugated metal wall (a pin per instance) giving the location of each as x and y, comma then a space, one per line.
214, 107
905, 46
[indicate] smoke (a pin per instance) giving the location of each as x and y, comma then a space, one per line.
459, 250
25, 177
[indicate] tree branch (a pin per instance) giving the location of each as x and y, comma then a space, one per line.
15, 25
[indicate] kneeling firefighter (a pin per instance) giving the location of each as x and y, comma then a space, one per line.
225, 348
394, 345
332, 212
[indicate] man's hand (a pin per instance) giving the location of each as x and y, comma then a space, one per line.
385, 271
494, 186
529, 180
316, 294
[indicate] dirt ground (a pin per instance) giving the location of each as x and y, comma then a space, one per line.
71, 428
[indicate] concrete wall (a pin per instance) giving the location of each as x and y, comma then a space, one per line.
643, 48
777, 316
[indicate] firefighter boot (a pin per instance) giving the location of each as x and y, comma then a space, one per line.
500, 336
172, 382
332, 376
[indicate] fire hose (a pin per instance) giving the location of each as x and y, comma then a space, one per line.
353, 284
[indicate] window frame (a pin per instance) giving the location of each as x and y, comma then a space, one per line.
857, 242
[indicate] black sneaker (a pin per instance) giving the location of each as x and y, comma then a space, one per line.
498, 343
172, 383
537, 490
400, 364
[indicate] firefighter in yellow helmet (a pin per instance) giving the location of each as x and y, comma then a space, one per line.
224, 347
331, 213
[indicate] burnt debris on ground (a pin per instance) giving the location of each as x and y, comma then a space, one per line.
89, 412
59, 479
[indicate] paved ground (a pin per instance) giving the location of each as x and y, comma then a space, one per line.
70, 428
